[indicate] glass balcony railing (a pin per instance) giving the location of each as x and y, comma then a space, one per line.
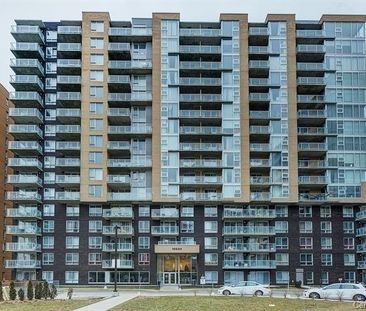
251, 230
259, 64
311, 66
249, 247
310, 33
22, 247
200, 163
69, 30
200, 147
260, 196
259, 97
26, 112
164, 230
66, 96
200, 65
68, 162
312, 180
361, 248
68, 112
121, 264
67, 179
200, 113
68, 195
200, 81
118, 112
133, 162
248, 213
260, 180
311, 113
26, 230
27, 29
24, 179
164, 213
361, 215
119, 79
310, 48
312, 146
119, 179
23, 212
22, 264
67, 145
27, 47
310, 99
118, 212
69, 63
258, 50
200, 179
121, 230
249, 264
311, 81
117, 46
318, 197
121, 247
69, 47
259, 129
119, 31
133, 64
258, 31
25, 129
201, 196
311, 130
25, 162
134, 129
130, 196
361, 231
25, 145
126, 97
259, 162
68, 129
200, 97
68, 79
26, 63
201, 130
200, 49
26, 97
26, 79
119, 145
361, 265
312, 164
199, 32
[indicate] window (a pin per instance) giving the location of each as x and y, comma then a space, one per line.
96, 91
327, 259
49, 210
97, 59
72, 277
97, 26
211, 277
144, 211
349, 243
349, 259
306, 242
72, 226
282, 277
210, 243
51, 52
96, 124
96, 75
187, 211
347, 211
95, 242
95, 141
144, 242
48, 242
95, 174
71, 259
326, 243
325, 212
281, 243
72, 211
47, 276
187, 226
324, 278
144, 226
95, 210
348, 227
211, 259
309, 277
210, 211
51, 83
96, 108
144, 258
95, 226
282, 259
95, 258
51, 36
210, 226
48, 226
306, 226
51, 67
325, 227
350, 277
96, 43
72, 242
305, 211
281, 211
306, 259
95, 191
95, 157
48, 258
281, 226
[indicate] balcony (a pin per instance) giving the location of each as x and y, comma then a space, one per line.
258, 31
311, 67
69, 66
26, 99
194, 180
313, 180
165, 213
68, 115
316, 147
164, 230
24, 212
127, 66
202, 130
68, 196
118, 212
310, 99
25, 66
239, 213
26, 83
313, 131
69, 50
259, 50
67, 180
361, 265
260, 196
313, 197
27, 50
22, 264
121, 231
130, 196
259, 97
25, 148
119, 47
69, 80
201, 147
200, 81
24, 180
199, 32
72, 147
312, 164
26, 230
69, 33
118, 146
119, 180
248, 230
262, 83
121, 247
259, 129
25, 164
204, 114
134, 129
259, 163
68, 131
204, 163
361, 248
119, 83
201, 196
361, 232
69, 98
310, 33
22, 247
25, 131
121, 264
142, 97
200, 98
26, 115
249, 264
200, 49
199, 65
249, 247
130, 163
68, 162
260, 180
27, 33
259, 64
128, 32
311, 81
361, 216
260, 147
118, 114
311, 48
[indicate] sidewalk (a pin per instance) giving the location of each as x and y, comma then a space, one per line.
109, 303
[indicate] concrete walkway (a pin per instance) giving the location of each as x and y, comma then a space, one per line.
109, 303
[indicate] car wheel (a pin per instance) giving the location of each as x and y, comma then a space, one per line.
258, 293
359, 297
314, 296
226, 292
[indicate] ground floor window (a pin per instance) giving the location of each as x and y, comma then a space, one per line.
72, 277
259, 276
349, 277
282, 277
325, 277
133, 277
233, 277
47, 276
211, 277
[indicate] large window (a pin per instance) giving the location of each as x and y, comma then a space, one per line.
71, 277
187, 226
281, 243
306, 259
211, 277
210, 243
282, 277
97, 26
95, 258
327, 259
96, 43
95, 141
95, 191
144, 242
210, 226
95, 157
95, 242
72, 226
71, 259
72, 242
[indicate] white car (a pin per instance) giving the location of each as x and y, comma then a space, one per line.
245, 288
338, 291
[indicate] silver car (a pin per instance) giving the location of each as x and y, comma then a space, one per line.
338, 291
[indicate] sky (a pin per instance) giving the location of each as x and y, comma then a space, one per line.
193, 10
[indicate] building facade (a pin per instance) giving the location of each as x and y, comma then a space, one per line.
231, 150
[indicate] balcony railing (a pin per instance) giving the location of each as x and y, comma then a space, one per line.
248, 213
200, 163
24, 179
68, 196
253, 64
165, 213
68, 113
310, 99
259, 129
119, 31
201, 196
249, 264
200, 81
119, 79
201, 130
361, 248
25, 145
118, 112
164, 230
129, 196
312, 164
200, 97
201, 179
199, 32
311, 81
133, 162
69, 47
311, 66
134, 129
202, 49
69, 30
361, 215
67, 145
27, 47
67, 179
26, 97
69, 63
258, 50
258, 31
200, 65
311, 130
313, 197
26, 112
260, 196
312, 180
25, 129
25, 162
26, 79
66, 96
68, 129
259, 162
311, 113
251, 230
27, 212
67, 162
119, 145
22, 264
126, 97
121, 247
69, 79
200, 147
311, 48
121, 230
259, 97
312, 146
119, 179
126, 64
117, 46
22, 247
26, 63
200, 113
121, 264
249, 247
117, 212
310, 33
27, 29
26, 230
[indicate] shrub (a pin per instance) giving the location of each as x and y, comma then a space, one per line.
12, 291
45, 290
53, 291
30, 292
21, 294
38, 291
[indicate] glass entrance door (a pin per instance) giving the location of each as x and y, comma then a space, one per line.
170, 278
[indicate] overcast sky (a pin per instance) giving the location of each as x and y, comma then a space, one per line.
201, 10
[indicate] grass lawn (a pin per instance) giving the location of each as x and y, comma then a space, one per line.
230, 304
45, 305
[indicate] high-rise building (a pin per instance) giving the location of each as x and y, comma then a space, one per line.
231, 150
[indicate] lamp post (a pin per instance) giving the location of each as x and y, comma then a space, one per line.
116, 227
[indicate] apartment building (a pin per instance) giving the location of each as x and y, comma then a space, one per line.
229, 150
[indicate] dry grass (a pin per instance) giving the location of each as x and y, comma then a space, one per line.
44, 305
230, 304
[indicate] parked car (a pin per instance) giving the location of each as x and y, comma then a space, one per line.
338, 291
245, 288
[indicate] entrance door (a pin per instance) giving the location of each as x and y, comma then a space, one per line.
170, 278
